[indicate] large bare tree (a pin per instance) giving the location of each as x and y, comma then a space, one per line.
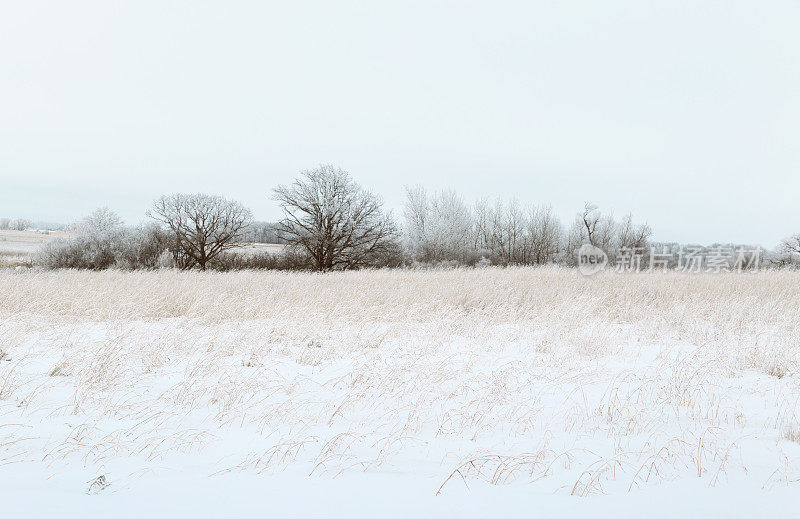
203, 225
334, 220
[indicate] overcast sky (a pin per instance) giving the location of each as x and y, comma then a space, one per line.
685, 113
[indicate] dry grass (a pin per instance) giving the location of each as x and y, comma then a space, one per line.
573, 384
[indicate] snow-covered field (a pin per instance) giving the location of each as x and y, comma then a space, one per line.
459, 393
19, 247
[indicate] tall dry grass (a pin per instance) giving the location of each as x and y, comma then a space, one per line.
576, 384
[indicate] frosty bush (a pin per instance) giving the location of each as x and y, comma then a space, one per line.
95, 246
101, 241
147, 247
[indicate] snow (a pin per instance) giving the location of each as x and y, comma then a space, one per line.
471, 410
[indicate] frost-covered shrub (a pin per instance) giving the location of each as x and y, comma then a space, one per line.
62, 254
98, 239
146, 248
101, 241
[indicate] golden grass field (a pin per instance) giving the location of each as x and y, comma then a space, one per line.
536, 379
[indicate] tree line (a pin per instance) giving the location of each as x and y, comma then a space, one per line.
14, 224
329, 222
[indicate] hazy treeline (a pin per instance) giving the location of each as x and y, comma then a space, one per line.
14, 224
442, 227
262, 232
23, 224
331, 223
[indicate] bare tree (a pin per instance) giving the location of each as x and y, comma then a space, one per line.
513, 222
792, 244
203, 225
100, 223
416, 211
632, 236
604, 228
590, 218
593, 227
438, 227
450, 227
788, 251
99, 235
545, 235
481, 231
601, 230
332, 218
